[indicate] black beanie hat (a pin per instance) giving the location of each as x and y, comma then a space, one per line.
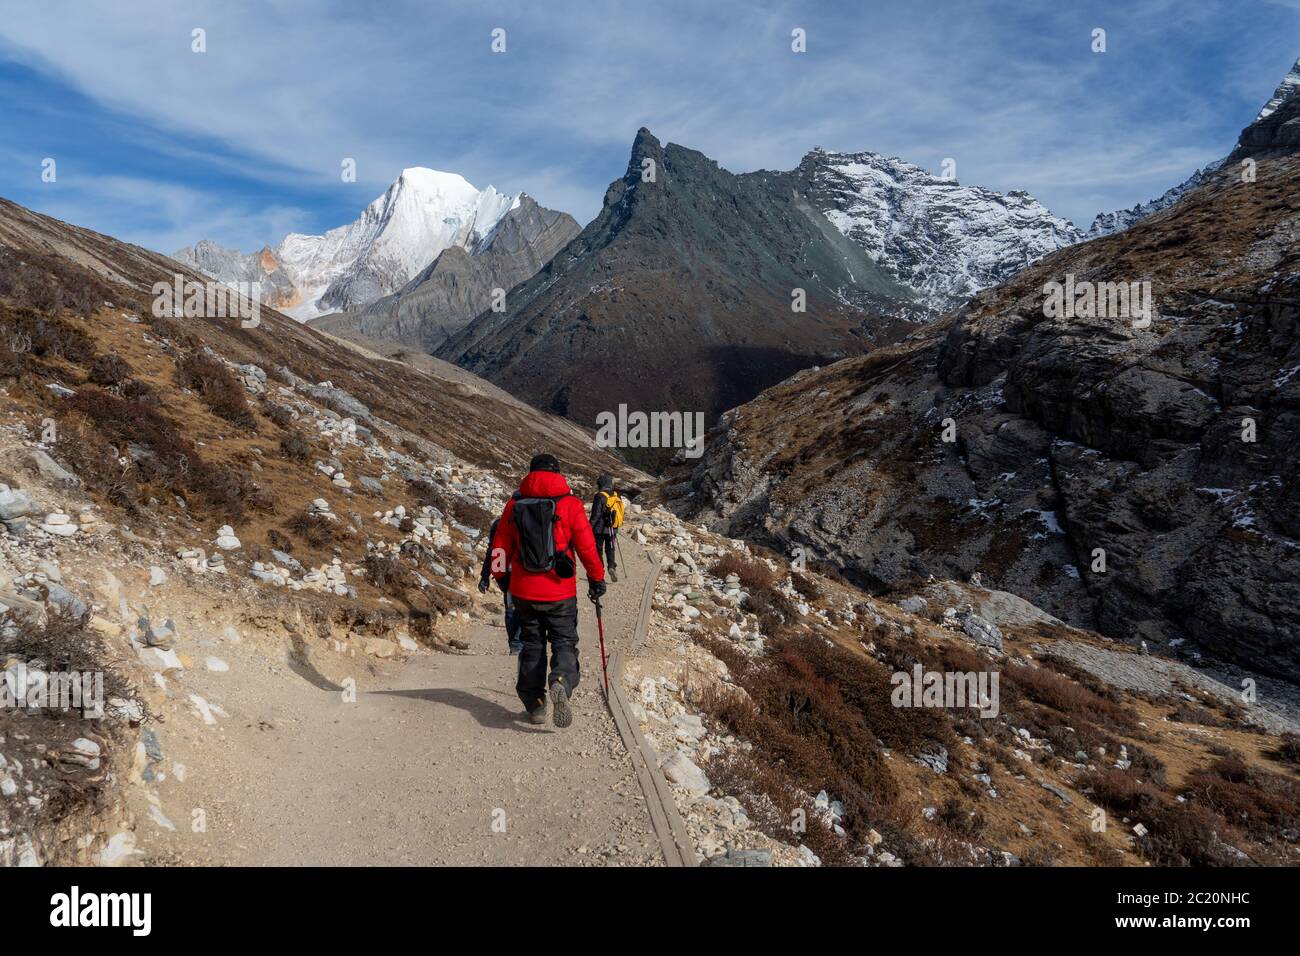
604, 481
543, 463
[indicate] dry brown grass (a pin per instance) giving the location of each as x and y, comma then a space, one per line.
1178, 834
166, 457
817, 715
27, 331
50, 284
1072, 700
1261, 803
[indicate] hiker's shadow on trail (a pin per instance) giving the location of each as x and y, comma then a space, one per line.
299, 661
487, 712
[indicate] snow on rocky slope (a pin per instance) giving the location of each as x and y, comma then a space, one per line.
422, 213
944, 240
1283, 92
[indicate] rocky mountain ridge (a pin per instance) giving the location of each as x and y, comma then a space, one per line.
697, 273
1136, 479
460, 283
1107, 223
943, 240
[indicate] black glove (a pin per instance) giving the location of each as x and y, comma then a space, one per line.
595, 589
483, 585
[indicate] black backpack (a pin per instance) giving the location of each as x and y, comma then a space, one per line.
602, 515
535, 520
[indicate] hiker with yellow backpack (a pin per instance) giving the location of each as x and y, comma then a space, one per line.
606, 518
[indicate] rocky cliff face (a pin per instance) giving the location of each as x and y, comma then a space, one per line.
943, 240
1166, 450
687, 278
459, 284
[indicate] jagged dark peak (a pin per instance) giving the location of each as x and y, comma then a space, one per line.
1276, 133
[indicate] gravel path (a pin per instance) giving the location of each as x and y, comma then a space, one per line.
435, 764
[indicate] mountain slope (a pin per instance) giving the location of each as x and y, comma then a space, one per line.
1071, 435
459, 284
678, 296
461, 413
943, 240
422, 213
1107, 223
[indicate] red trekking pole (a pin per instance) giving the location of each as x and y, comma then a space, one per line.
600, 629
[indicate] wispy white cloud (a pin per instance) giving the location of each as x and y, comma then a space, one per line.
166, 216
1012, 92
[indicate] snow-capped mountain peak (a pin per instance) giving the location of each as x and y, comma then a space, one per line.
423, 212
944, 240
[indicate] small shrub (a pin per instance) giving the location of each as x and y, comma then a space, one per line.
90, 457
316, 532
968, 825
1288, 750
806, 586
754, 576
279, 540
171, 331
109, 370
279, 415
295, 447
217, 386
134, 390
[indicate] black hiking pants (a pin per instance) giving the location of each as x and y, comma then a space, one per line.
542, 622
606, 543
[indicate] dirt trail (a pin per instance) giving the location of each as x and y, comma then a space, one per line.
433, 764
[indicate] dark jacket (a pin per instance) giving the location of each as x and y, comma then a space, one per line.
600, 515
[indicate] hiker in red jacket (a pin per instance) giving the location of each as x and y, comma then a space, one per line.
542, 527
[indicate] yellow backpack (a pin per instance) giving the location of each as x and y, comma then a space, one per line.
615, 504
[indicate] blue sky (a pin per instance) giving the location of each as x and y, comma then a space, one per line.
163, 146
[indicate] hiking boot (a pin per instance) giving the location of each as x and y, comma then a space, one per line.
613, 575
537, 714
560, 702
